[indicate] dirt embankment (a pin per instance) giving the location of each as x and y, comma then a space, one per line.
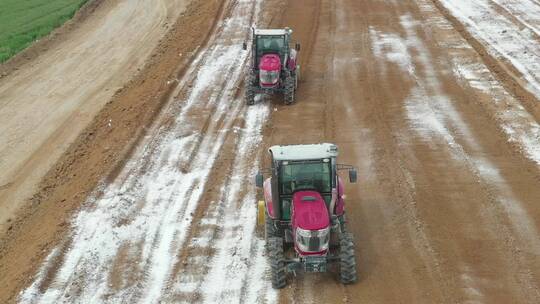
99, 150
47, 103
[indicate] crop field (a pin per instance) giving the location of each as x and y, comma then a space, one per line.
22, 22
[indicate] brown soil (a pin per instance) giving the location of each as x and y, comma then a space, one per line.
429, 228
505, 72
99, 150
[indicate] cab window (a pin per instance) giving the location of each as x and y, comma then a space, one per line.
270, 44
305, 176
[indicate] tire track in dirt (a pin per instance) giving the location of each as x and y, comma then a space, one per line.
509, 213
519, 15
332, 75
430, 217
435, 106
504, 71
521, 24
222, 247
392, 171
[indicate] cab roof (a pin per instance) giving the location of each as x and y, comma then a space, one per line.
272, 32
304, 152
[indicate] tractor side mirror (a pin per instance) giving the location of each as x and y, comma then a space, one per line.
297, 47
259, 180
244, 46
353, 175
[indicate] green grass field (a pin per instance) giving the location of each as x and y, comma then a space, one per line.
24, 21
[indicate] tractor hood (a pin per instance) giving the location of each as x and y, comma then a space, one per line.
309, 211
269, 70
270, 63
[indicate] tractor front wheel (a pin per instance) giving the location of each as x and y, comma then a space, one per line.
250, 91
347, 263
269, 228
277, 262
290, 89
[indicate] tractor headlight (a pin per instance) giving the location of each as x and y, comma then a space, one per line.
269, 77
312, 240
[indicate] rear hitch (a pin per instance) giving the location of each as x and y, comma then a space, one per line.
308, 264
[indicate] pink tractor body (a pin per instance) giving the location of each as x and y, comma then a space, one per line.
304, 211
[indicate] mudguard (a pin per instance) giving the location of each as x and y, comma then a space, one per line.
267, 188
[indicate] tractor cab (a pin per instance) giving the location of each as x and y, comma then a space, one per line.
307, 176
303, 168
271, 42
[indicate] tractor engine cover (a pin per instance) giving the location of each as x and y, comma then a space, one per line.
310, 223
269, 70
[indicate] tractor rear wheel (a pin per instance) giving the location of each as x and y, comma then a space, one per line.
250, 90
277, 262
290, 89
347, 263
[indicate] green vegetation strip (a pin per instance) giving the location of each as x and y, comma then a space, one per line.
24, 21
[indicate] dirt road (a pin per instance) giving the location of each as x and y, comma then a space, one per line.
46, 103
445, 211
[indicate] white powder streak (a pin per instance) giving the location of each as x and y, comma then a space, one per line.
503, 38
150, 206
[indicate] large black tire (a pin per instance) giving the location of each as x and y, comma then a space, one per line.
250, 90
290, 89
347, 259
269, 230
277, 262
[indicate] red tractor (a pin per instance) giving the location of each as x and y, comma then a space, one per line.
304, 211
274, 67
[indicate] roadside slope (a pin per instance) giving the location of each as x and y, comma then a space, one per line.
100, 149
46, 103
